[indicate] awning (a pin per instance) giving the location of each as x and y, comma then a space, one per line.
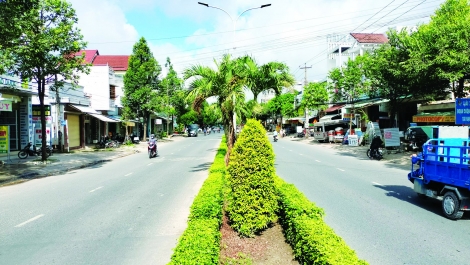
330, 109
296, 119
330, 117
84, 109
116, 118
367, 103
102, 117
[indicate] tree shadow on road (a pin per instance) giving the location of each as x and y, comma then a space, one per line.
202, 167
408, 195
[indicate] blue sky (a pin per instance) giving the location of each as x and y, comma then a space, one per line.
293, 32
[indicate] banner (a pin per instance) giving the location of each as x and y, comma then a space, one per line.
4, 139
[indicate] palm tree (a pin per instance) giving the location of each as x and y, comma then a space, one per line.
226, 83
273, 75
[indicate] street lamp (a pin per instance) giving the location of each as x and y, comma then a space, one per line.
234, 23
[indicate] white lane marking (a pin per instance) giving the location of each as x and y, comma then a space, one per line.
318, 161
128, 174
301, 154
30, 220
378, 184
290, 150
150, 164
96, 189
340, 169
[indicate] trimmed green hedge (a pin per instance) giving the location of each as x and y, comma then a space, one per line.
312, 240
252, 200
200, 242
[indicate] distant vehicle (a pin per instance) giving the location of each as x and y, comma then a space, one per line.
193, 130
328, 123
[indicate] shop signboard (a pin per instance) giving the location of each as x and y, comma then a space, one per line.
38, 136
462, 111
392, 137
5, 105
4, 139
436, 118
158, 121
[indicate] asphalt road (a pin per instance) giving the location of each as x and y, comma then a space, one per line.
373, 207
128, 211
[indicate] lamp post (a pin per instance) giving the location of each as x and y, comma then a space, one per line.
234, 23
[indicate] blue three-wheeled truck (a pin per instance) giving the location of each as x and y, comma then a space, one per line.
442, 169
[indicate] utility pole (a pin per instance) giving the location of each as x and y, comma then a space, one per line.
58, 132
306, 124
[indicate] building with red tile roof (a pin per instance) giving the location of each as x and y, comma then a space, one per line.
370, 38
119, 63
90, 55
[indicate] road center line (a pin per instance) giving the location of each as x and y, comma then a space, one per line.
340, 169
128, 174
318, 161
96, 189
378, 184
150, 164
30, 220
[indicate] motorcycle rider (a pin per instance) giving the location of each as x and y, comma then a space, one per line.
153, 141
375, 145
275, 135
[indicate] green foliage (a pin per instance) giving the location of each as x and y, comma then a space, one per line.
273, 75
46, 47
312, 240
315, 96
200, 242
189, 117
350, 82
252, 201
140, 83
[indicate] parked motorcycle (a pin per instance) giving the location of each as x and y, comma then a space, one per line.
31, 150
152, 149
135, 139
375, 153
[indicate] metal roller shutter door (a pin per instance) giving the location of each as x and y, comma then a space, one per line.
73, 122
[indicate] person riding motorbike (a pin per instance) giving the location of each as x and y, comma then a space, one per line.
375, 145
153, 143
275, 135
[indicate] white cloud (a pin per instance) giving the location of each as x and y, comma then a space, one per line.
103, 22
293, 32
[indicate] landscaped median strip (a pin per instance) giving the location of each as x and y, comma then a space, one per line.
312, 240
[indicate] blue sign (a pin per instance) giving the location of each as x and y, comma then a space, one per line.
462, 111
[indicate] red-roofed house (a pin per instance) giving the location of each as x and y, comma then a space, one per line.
342, 47
104, 87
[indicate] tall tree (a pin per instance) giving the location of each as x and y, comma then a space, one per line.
443, 45
273, 75
396, 77
226, 83
140, 83
13, 20
168, 91
350, 82
47, 48
315, 96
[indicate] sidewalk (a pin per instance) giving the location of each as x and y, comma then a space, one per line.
19, 170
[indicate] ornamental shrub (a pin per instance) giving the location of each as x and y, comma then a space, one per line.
251, 199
